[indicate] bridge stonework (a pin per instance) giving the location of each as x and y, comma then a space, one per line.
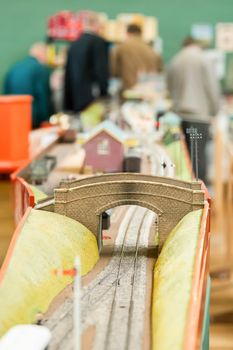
85, 200
194, 185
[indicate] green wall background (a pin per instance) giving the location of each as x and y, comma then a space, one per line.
23, 22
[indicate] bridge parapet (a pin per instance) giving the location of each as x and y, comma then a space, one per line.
194, 185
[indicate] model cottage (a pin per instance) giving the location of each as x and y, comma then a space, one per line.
104, 147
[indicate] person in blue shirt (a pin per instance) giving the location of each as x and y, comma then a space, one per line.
30, 76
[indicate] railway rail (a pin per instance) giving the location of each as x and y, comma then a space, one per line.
117, 282
114, 285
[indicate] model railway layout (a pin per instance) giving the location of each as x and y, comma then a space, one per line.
110, 144
129, 218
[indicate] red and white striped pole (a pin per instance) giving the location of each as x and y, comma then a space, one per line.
77, 304
76, 273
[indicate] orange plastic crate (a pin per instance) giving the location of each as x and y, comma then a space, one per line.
15, 121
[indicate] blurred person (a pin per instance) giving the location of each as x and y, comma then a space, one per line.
194, 89
30, 76
57, 88
134, 57
86, 72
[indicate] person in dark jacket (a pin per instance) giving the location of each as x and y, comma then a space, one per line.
87, 69
31, 77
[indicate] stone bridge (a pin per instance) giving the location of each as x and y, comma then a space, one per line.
195, 185
85, 200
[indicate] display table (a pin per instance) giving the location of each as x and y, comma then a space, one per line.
195, 333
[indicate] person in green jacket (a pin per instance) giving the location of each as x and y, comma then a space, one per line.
30, 76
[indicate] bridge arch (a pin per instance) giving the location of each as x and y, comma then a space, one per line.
92, 196
143, 204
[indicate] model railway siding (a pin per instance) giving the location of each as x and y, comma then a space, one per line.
67, 307
127, 278
120, 296
113, 278
120, 288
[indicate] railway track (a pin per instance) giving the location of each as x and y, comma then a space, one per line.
107, 344
116, 313
119, 255
109, 298
54, 321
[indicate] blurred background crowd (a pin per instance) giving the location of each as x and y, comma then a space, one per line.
184, 65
